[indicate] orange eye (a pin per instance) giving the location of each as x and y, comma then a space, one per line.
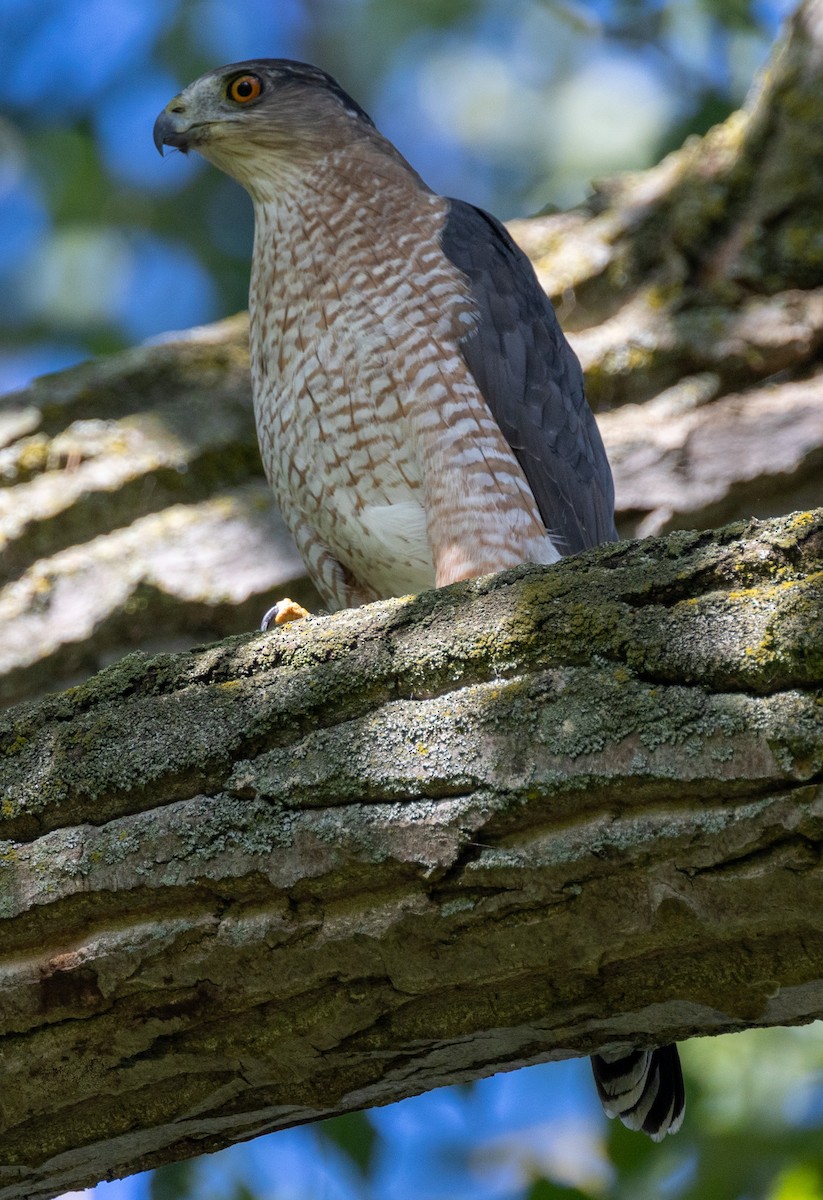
245, 88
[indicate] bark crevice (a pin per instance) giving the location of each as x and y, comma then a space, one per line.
377, 897
256, 883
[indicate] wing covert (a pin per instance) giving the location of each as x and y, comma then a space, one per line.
531, 379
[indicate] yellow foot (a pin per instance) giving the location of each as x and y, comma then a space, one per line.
282, 612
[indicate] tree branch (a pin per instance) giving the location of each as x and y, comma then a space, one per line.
291, 875
134, 512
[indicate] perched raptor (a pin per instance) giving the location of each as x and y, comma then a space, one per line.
421, 416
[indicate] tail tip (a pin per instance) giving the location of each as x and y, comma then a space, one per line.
644, 1088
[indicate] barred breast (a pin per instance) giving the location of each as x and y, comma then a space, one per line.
377, 443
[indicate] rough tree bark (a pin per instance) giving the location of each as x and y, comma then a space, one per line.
289, 875
283, 877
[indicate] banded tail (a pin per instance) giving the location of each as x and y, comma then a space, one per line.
644, 1088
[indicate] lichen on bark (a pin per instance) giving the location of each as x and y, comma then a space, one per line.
253, 883
292, 874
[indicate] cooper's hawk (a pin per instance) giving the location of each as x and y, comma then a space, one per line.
421, 416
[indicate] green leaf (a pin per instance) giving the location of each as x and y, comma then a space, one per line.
546, 1189
173, 1182
355, 1136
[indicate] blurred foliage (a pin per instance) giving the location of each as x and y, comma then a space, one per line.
544, 1189
172, 1182
513, 104
355, 1136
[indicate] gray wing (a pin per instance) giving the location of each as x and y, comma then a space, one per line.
531, 380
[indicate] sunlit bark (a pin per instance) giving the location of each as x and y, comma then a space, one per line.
406, 845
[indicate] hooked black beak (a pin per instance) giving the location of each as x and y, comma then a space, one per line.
172, 129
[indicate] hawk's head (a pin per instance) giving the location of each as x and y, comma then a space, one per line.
268, 114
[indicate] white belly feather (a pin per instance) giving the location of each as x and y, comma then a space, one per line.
396, 534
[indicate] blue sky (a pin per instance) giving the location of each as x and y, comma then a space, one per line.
515, 105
